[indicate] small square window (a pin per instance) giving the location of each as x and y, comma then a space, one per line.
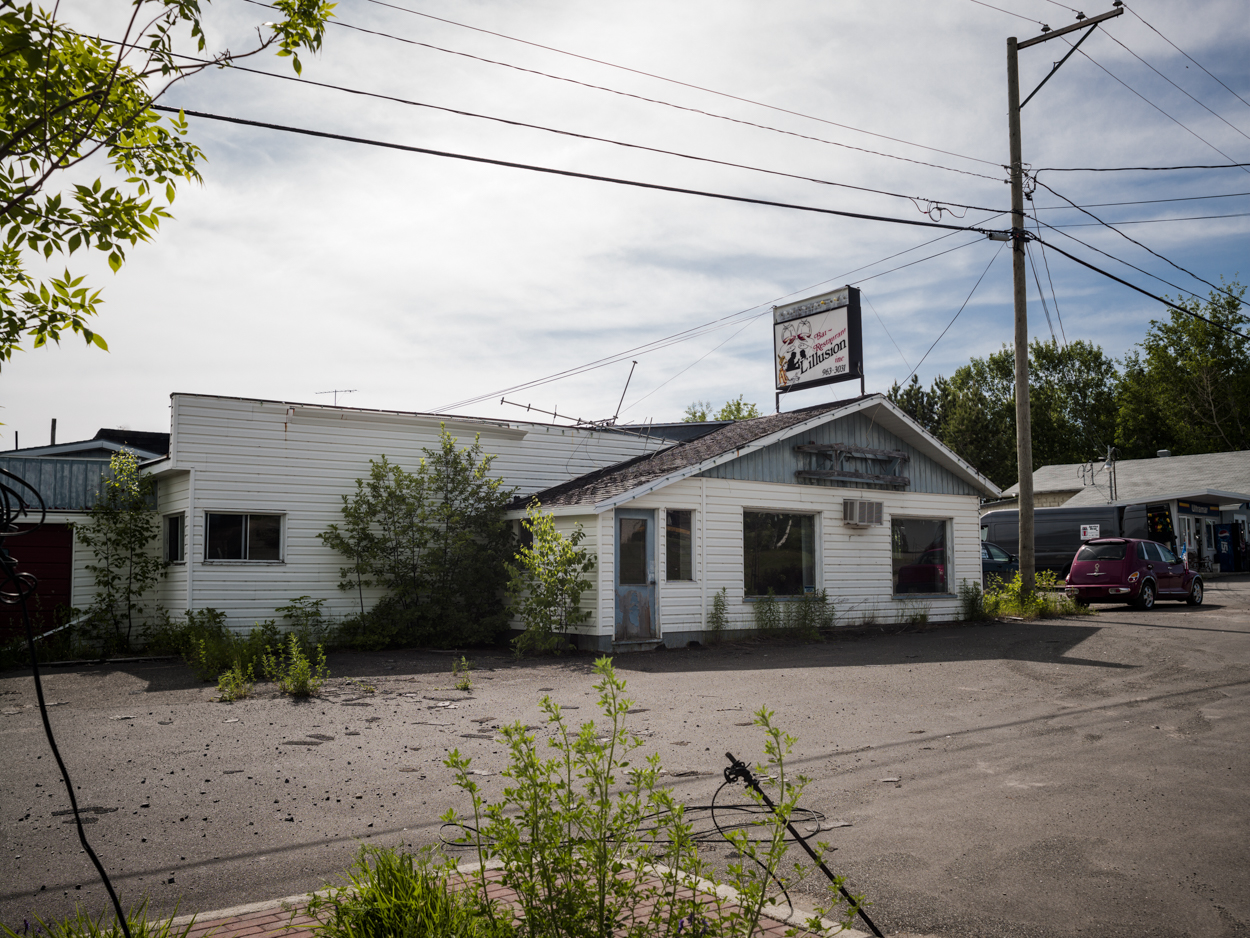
679, 546
175, 527
243, 537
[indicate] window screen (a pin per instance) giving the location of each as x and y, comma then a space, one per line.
920, 556
779, 553
679, 546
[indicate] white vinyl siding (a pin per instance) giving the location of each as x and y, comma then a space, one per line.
267, 457
853, 564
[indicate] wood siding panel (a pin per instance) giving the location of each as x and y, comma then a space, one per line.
778, 462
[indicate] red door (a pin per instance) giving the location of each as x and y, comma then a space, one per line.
48, 555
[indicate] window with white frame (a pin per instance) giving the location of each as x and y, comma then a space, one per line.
778, 553
242, 536
921, 557
175, 534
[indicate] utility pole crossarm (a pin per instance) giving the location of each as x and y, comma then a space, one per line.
1083, 24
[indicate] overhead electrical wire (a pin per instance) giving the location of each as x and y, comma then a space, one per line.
937, 205
1174, 120
1131, 286
1021, 16
1086, 211
696, 331
1148, 221
661, 102
1049, 278
1183, 198
1133, 169
1175, 85
1187, 55
956, 316
684, 84
551, 170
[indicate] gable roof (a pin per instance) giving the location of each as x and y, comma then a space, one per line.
1140, 479
614, 485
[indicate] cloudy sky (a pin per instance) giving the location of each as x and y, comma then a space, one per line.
304, 265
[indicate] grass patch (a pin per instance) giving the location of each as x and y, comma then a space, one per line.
104, 925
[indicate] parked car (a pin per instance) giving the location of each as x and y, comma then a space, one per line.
996, 562
926, 575
1128, 570
1057, 532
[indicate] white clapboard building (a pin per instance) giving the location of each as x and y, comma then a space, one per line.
852, 497
268, 476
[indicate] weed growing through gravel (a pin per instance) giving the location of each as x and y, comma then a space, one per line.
236, 683
293, 671
460, 673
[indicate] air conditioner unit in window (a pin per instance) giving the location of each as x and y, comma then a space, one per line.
861, 513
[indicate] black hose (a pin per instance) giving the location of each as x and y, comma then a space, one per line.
16, 589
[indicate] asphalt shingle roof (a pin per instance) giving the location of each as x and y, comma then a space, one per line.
1147, 478
613, 480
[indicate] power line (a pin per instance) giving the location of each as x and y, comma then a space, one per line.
934, 204
1155, 106
1134, 169
674, 81
615, 180
956, 316
1131, 286
1149, 221
697, 331
1187, 55
661, 102
864, 297
1174, 84
1041, 295
1049, 278
1183, 270
1185, 198
1021, 16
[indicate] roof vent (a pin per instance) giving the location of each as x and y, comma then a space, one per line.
1163, 453
860, 513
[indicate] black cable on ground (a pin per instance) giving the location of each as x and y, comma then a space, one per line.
16, 588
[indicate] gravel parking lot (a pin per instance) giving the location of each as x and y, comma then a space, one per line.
1071, 777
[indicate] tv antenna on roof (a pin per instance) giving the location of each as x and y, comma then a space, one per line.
336, 392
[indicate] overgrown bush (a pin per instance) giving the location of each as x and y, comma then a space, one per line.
294, 672
972, 602
1010, 598
121, 531
594, 847
435, 540
766, 612
208, 646
547, 582
805, 615
308, 622
390, 894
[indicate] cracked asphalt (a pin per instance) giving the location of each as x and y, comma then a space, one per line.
1071, 777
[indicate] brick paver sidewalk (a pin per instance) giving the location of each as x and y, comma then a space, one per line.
287, 919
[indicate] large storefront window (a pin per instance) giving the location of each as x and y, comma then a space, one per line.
779, 553
921, 555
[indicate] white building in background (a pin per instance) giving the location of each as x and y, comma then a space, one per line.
853, 498
249, 484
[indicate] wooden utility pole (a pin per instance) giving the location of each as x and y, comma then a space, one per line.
1024, 426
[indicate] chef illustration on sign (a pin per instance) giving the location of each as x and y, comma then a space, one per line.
795, 342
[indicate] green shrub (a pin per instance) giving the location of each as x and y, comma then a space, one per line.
767, 613
594, 846
1010, 598
913, 612
971, 601
546, 585
307, 622
390, 894
105, 925
292, 670
210, 648
806, 615
235, 683
718, 616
